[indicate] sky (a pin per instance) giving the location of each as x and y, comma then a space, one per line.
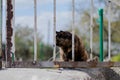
24, 15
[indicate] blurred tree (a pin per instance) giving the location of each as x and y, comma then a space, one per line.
116, 58
83, 24
46, 51
85, 19
24, 44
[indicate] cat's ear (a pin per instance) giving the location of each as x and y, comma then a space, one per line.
57, 32
61, 31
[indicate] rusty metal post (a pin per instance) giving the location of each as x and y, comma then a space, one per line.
9, 18
13, 36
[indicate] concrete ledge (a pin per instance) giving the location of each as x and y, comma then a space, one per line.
45, 64
60, 74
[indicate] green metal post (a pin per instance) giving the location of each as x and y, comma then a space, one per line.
101, 33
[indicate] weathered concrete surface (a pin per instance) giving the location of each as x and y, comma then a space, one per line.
56, 74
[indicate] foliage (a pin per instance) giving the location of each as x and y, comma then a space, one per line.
46, 52
116, 58
82, 26
24, 44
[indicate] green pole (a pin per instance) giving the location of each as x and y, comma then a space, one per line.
101, 33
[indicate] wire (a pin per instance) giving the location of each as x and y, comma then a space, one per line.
50, 59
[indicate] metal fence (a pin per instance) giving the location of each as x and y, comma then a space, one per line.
10, 24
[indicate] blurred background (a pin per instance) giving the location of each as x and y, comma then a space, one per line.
24, 26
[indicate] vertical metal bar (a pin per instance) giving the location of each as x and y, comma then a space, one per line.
109, 30
9, 30
0, 28
101, 33
35, 31
13, 26
6, 61
73, 32
91, 30
54, 29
